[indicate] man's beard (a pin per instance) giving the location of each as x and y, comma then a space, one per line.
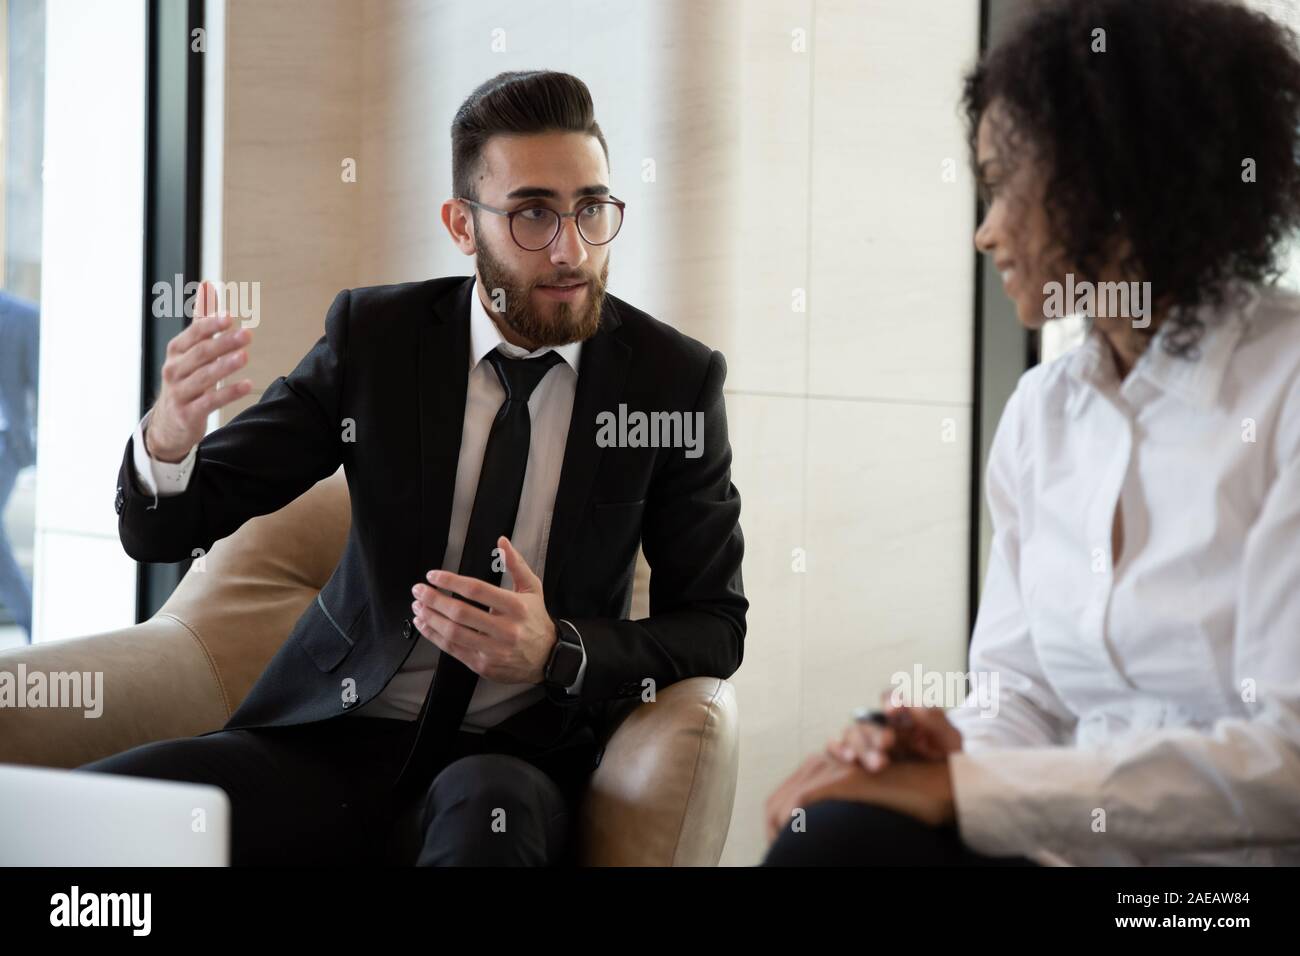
568, 322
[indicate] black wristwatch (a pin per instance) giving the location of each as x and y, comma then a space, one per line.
566, 656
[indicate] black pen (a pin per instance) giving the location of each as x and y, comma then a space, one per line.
865, 715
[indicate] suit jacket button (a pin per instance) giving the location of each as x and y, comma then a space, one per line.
406, 629
119, 500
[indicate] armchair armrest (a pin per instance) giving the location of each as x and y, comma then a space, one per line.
155, 681
185, 670
665, 787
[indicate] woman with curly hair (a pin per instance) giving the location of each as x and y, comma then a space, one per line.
1140, 619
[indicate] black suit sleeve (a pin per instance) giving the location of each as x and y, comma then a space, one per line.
692, 541
259, 461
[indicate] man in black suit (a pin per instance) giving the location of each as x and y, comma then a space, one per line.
441, 701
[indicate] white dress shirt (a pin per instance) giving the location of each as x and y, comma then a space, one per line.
549, 408
1148, 710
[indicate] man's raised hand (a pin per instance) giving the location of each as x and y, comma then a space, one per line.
197, 359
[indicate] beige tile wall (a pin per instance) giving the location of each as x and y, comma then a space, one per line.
293, 100
779, 174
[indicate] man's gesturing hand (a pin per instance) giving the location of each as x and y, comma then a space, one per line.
195, 362
510, 642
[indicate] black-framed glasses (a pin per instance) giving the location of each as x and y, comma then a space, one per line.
533, 228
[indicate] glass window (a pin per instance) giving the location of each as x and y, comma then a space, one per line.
22, 85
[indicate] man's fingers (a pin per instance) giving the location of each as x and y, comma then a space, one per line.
209, 402
205, 301
194, 333
521, 574
425, 625
453, 638
204, 322
181, 367
194, 413
455, 609
201, 309
496, 598
206, 376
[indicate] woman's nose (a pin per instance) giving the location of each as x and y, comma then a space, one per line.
984, 236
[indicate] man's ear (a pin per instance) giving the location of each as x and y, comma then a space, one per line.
460, 225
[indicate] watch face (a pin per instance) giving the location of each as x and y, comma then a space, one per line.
565, 664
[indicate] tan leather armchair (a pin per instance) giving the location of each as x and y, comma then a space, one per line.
662, 795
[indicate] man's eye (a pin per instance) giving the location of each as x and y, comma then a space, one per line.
534, 213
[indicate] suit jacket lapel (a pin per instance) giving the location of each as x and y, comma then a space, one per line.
601, 380
444, 378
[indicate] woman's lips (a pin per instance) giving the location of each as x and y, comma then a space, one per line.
563, 293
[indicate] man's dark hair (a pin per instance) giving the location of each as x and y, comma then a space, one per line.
1155, 129
519, 102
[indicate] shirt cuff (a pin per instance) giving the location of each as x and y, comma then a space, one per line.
160, 478
575, 688
1027, 801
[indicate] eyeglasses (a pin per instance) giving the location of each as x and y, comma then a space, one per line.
533, 228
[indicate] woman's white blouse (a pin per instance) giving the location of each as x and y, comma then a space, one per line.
1147, 711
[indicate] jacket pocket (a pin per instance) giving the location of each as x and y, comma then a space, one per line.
326, 638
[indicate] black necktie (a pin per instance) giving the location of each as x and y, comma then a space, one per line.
496, 504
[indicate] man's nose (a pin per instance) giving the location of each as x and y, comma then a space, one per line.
568, 248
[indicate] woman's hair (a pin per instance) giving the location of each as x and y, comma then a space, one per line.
1172, 123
